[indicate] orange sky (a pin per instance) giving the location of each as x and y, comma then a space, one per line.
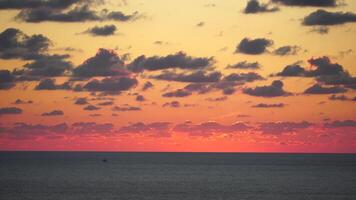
81, 69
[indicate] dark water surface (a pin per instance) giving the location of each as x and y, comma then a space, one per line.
176, 176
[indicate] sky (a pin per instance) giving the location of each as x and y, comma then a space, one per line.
178, 75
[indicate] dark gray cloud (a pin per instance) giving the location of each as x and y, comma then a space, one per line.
81, 101
110, 85
106, 30
194, 77
216, 99
23, 4
10, 111
343, 78
91, 108
179, 60
50, 84
126, 108
273, 90
147, 86
177, 104
120, 16
243, 77
140, 98
80, 13
104, 63
265, 105
226, 84
323, 70
53, 113
278, 128
177, 93
320, 89
286, 50
244, 65
292, 70
253, 46
213, 77
106, 103
324, 67
49, 65
207, 129
341, 124
227, 87
19, 102
254, 6
7, 80
326, 18
317, 3
41, 14
342, 97
14, 44
172, 104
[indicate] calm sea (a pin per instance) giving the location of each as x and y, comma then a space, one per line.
176, 176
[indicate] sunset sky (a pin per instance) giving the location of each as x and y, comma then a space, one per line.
178, 75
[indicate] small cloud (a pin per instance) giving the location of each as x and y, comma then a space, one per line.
177, 93
53, 113
273, 90
7, 80
50, 84
173, 104
253, 46
160, 43
254, 6
81, 101
200, 24
320, 29
104, 31
339, 124
91, 108
105, 62
19, 102
264, 105
125, 108
194, 77
342, 97
217, 99
313, 3
286, 50
178, 60
140, 98
147, 86
106, 103
245, 65
10, 111
14, 44
320, 89
326, 18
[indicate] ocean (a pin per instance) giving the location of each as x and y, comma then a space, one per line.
176, 176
